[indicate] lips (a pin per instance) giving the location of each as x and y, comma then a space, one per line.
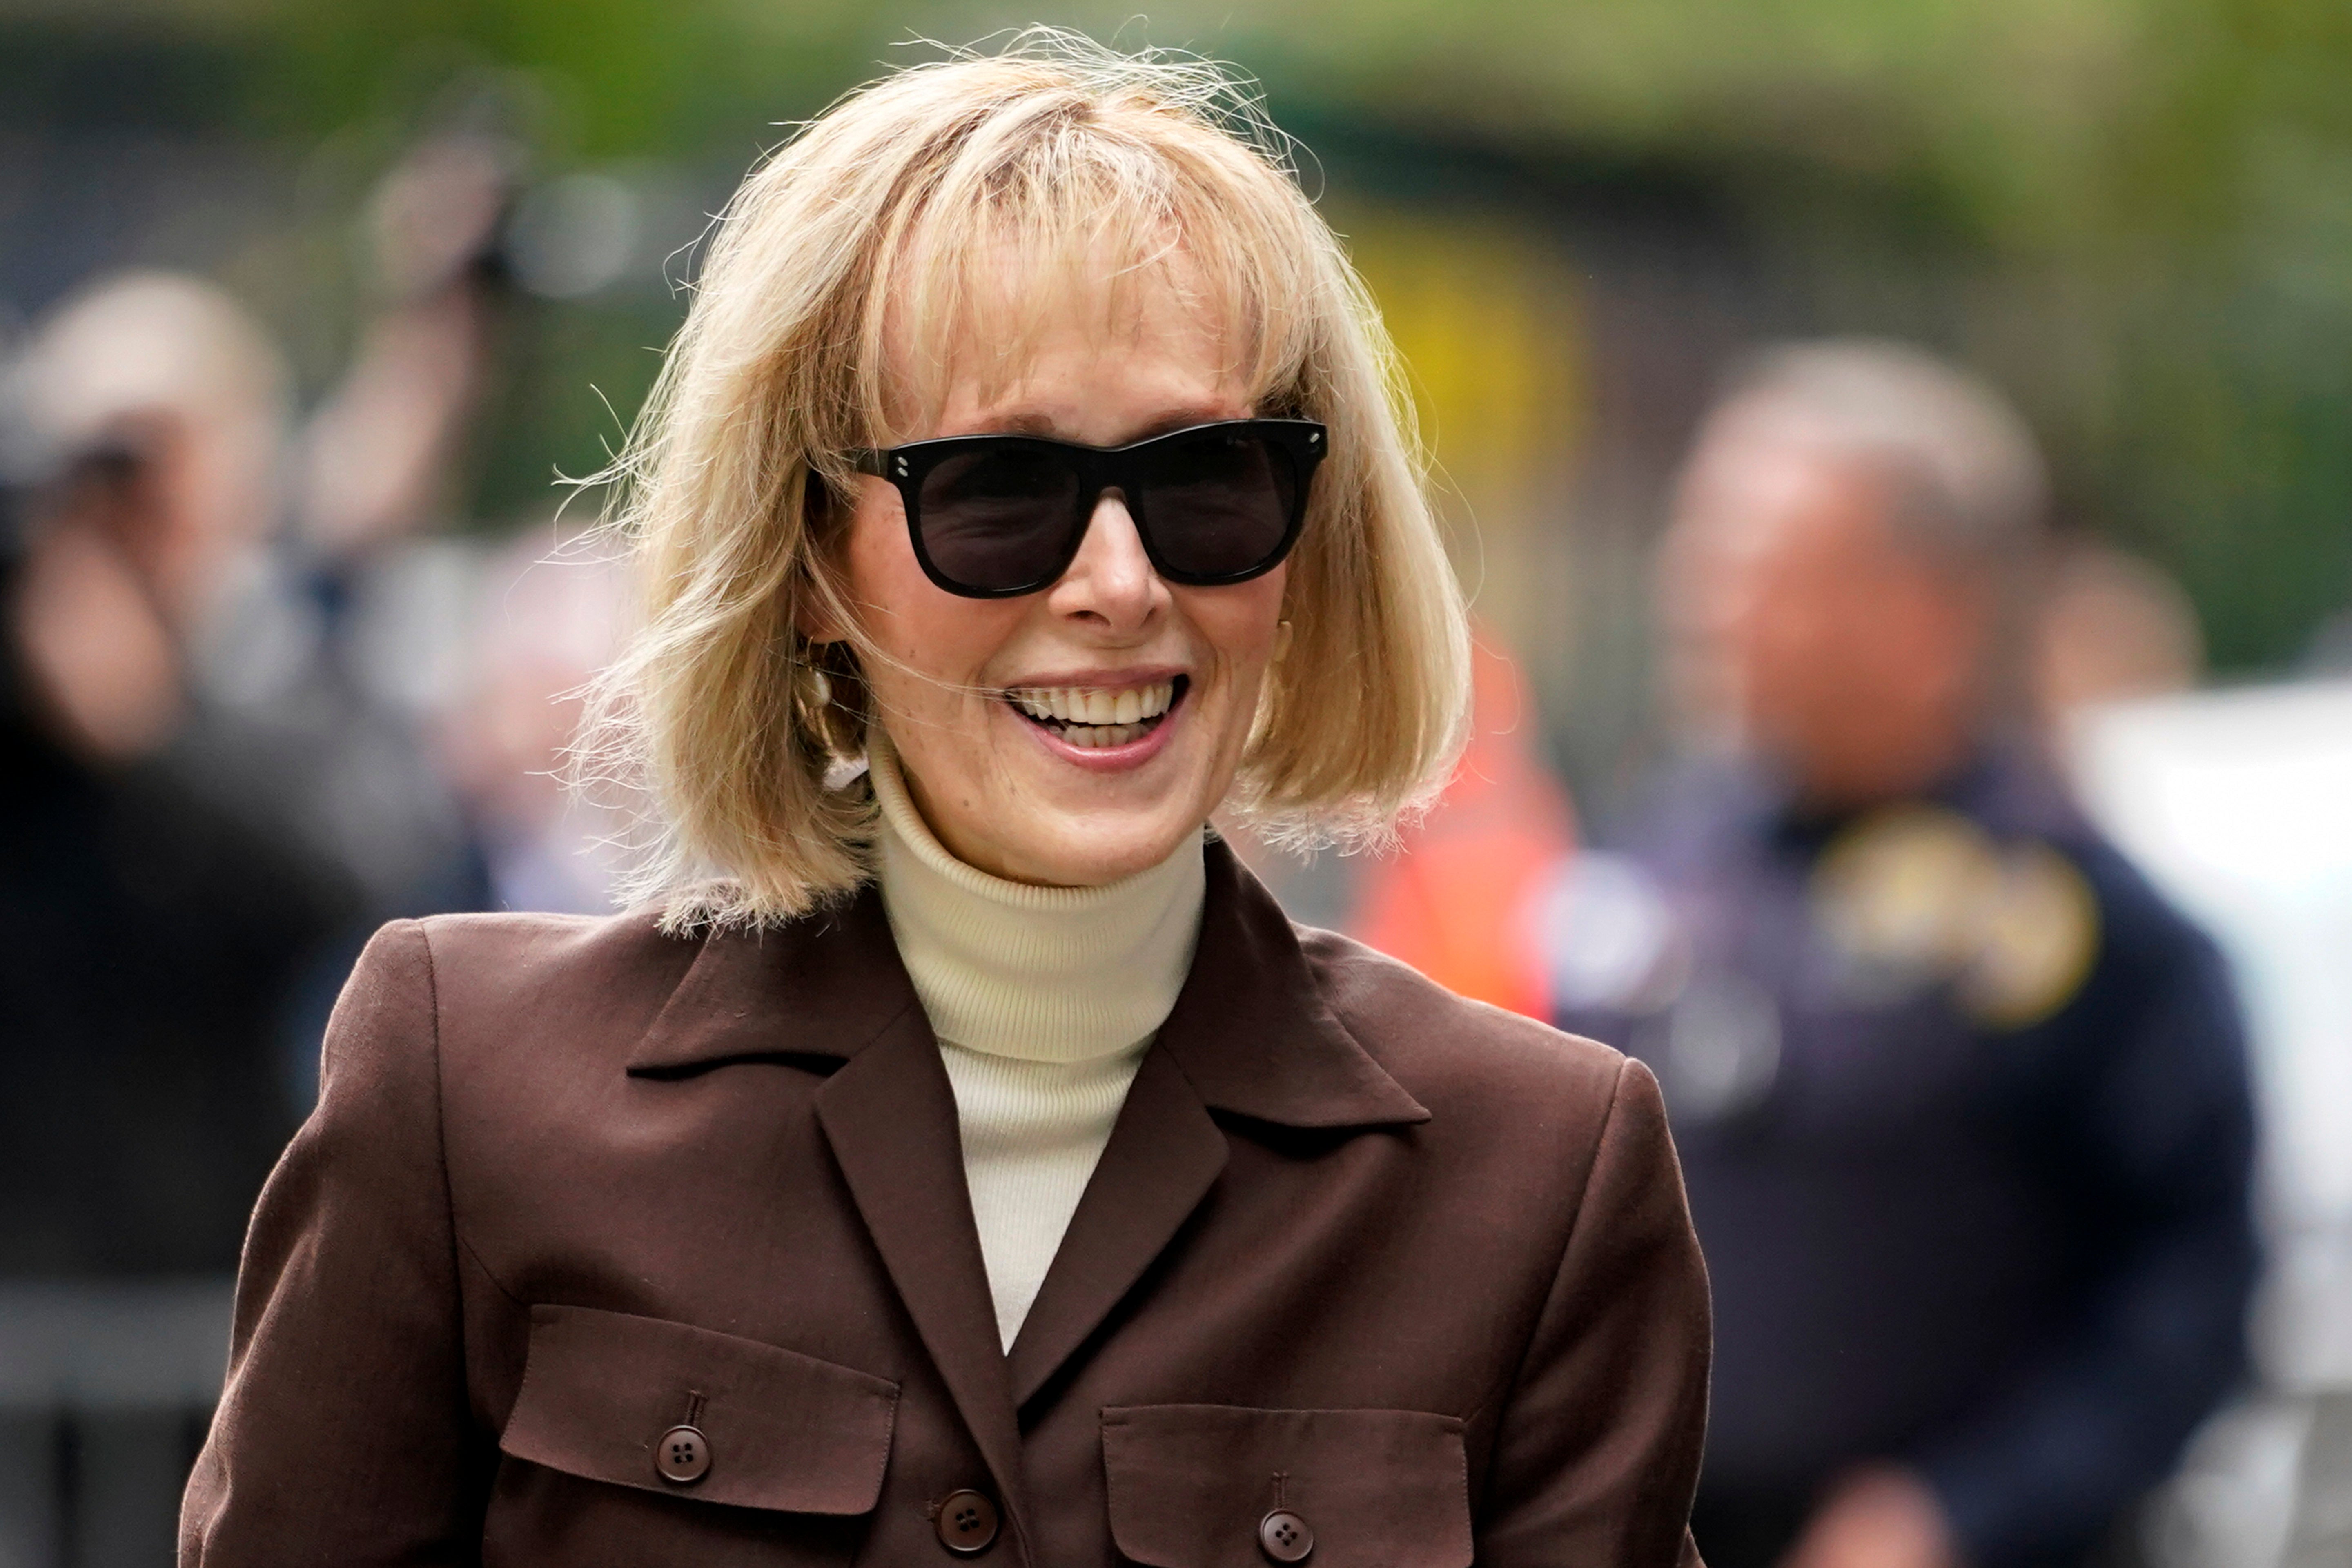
1094, 718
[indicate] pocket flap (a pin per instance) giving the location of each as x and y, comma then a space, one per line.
784, 1431
1189, 1483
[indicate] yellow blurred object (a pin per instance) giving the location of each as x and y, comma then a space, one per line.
1916, 895
2037, 941
1484, 317
1486, 320
1900, 890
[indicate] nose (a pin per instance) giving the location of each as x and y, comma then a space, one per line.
1111, 582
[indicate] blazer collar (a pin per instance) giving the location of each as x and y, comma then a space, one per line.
1251, 1030
824, 985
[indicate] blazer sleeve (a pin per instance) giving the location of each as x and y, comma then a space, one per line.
343, 1433
1597, 1447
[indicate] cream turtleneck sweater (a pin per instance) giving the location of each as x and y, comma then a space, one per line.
1045, 1000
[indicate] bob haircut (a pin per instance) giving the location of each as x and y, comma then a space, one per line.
960, 203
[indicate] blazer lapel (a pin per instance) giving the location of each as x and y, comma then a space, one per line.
831, 987
1251, 1035
824, 987
1164, 1154
891, 1116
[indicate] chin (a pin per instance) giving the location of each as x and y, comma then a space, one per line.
1089, 850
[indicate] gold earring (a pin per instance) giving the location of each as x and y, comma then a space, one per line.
1282, 632
814, 702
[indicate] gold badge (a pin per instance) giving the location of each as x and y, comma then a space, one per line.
1918, 895
2038, 937
1897, 895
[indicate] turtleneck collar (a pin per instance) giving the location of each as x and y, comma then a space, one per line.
1051, 975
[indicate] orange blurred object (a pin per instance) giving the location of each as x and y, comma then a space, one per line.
1455, 901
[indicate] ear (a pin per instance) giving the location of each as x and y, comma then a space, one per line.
814, 622
811, 617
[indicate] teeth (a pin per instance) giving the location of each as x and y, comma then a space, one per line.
1096, 736
1093, 708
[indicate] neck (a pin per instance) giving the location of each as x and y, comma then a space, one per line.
1042, 973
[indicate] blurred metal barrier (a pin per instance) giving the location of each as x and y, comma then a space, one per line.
105, 1391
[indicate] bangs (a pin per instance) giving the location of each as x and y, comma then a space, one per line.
1060, 215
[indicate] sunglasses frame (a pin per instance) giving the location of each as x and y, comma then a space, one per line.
1099, 470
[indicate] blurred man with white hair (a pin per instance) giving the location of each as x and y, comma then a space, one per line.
1961, 1101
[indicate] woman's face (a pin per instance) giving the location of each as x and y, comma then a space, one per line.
1168, 674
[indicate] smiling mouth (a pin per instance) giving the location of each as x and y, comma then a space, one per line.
1095, 716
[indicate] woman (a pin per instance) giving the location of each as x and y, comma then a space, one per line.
967, 1156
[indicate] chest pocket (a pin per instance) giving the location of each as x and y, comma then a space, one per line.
1217, 1486
603, 1394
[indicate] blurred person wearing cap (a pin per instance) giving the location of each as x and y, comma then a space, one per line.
1962, 1103
153, 941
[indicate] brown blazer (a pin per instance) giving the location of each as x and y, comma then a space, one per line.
1413, 1271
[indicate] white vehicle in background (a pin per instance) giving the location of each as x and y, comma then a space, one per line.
2238, 804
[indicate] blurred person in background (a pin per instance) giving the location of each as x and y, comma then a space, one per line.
547, 622
2329, 655
1458, 898
2109, 626
214, 782
1962, 1103
318, 684
151, 940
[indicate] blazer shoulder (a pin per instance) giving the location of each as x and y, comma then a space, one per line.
537, 941
525, 982
1444, 1047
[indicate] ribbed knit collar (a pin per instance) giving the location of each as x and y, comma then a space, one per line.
1054, 975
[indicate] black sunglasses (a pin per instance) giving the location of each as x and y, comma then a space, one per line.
994, 517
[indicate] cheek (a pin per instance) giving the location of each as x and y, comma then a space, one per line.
1238, 623
1795, 652
880, 565
939, 636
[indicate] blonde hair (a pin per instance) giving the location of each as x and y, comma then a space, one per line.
835, 282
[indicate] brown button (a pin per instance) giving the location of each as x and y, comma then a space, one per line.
682, 1456
1283, 1536
967, 1523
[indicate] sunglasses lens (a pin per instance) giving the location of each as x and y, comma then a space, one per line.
1220, 506
1000, 518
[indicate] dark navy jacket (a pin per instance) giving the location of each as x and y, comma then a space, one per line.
2003, 1238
